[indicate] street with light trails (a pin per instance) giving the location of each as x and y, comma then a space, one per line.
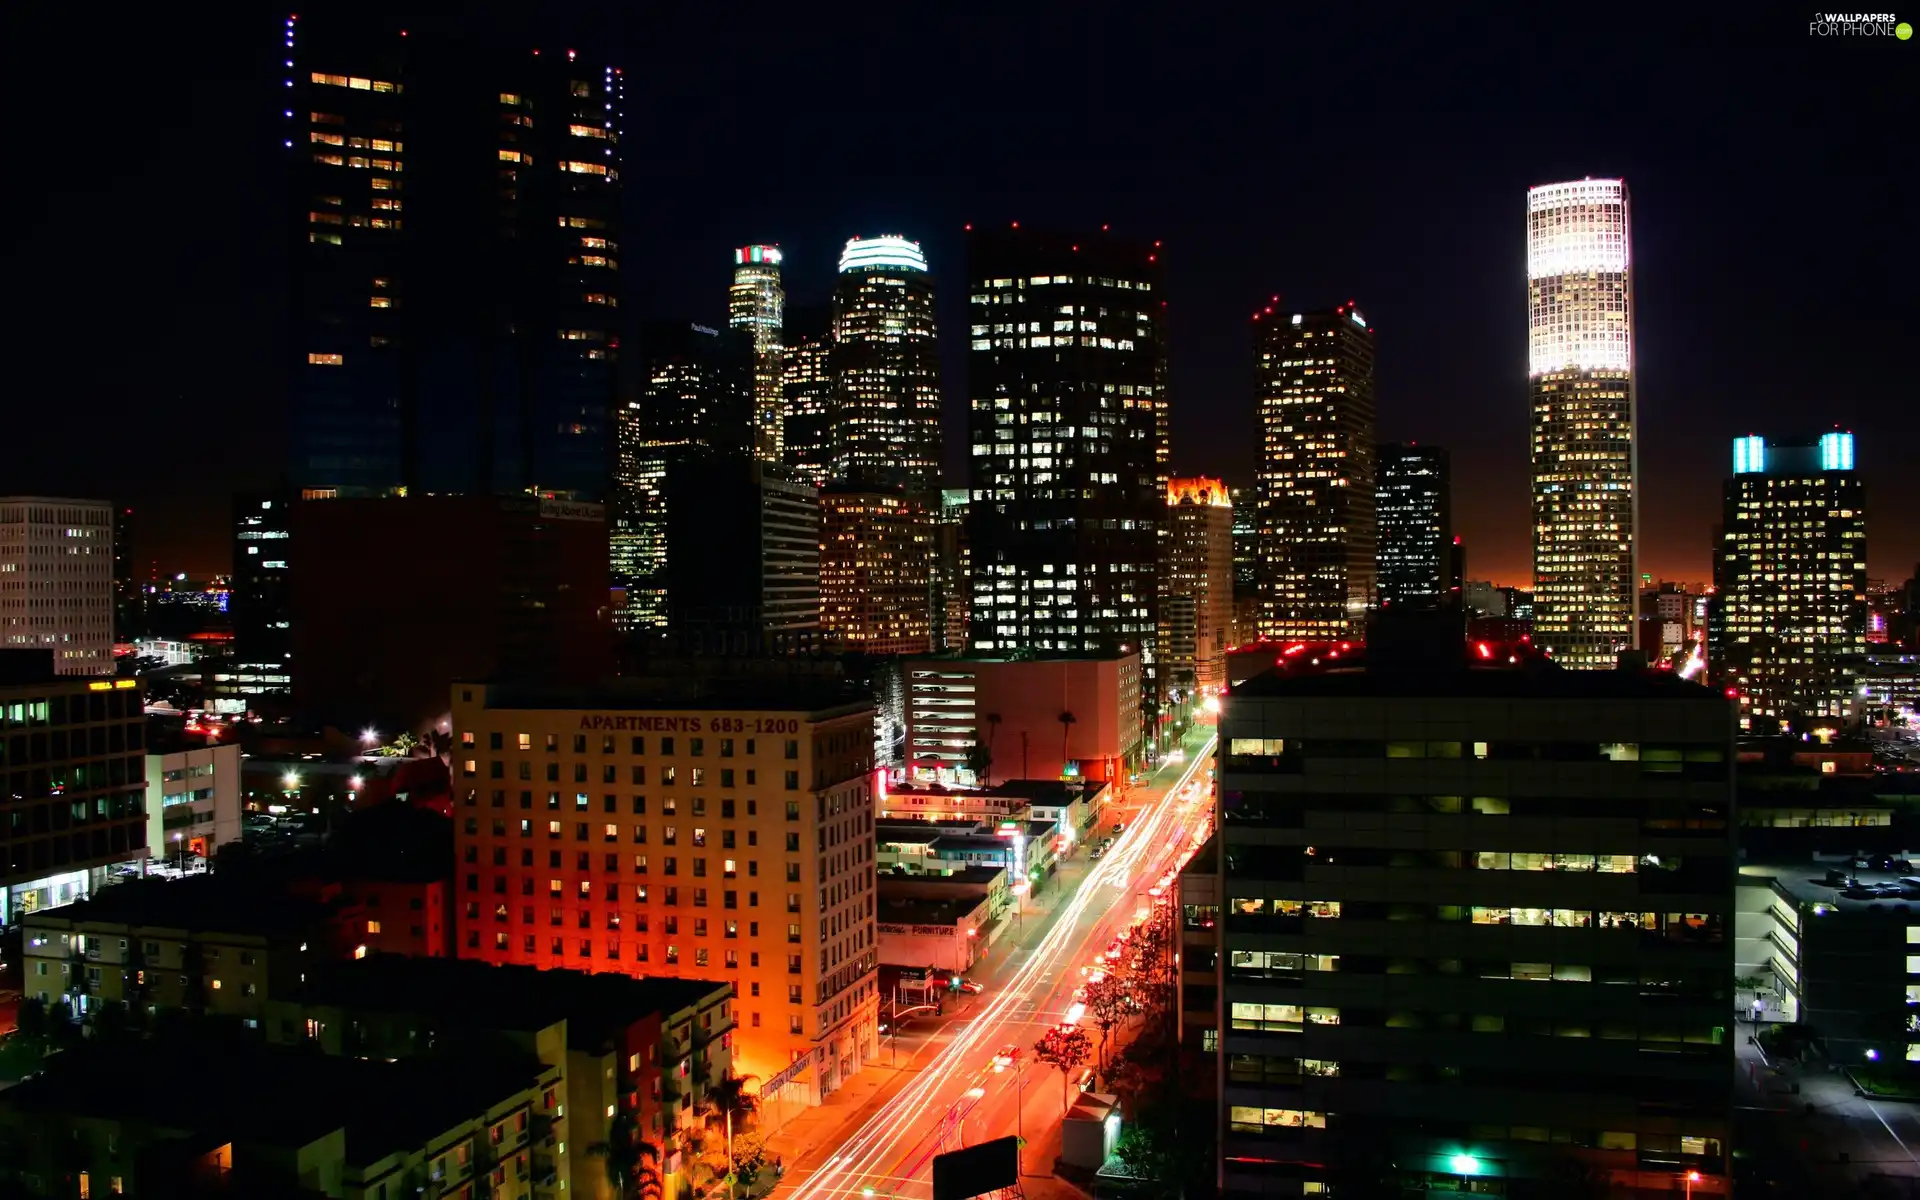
984, 1082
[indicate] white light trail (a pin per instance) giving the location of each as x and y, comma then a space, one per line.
861, 1157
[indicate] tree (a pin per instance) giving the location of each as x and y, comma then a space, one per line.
980, 762
1066, 1047
633, 1164
993, 727
730, 1098
401, 747
1067, 722
1109, 1002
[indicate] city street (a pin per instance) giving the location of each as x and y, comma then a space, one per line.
948, 1092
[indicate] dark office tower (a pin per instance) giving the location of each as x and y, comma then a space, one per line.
453, 226
742, 545
1791, 580
1414, 508
1580, 376
886, 422
1317, 527
1063, 387
806, 384
1478, 925
1246, 537
260, 676
128, 621
950, 573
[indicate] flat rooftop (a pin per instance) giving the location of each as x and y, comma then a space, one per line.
924, 912
220, 902
274, 1096
818, 698
1806, 883
505, 997
977, 876
1352, 676
1033, 791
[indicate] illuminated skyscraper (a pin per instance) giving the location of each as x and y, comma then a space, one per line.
1064, 398
806, 380
1414, 509
877, 565
886, 422
1315, 379
1580, 368
453, 325
756, 303
1196, 586
1791, 580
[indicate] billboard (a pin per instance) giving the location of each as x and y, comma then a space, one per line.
977, 1170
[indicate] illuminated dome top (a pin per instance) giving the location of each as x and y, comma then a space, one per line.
886, 251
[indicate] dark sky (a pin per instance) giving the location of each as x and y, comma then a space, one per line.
1317, 153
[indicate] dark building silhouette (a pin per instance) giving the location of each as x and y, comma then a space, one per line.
1415, 548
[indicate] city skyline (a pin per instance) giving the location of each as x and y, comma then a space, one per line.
1452, 366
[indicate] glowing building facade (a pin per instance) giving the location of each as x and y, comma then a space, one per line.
877, 567
1064, 391
1414, 510
886, 420
756, 304
1580, 371
1196, 586
1317, 522
1790, 580
56, 581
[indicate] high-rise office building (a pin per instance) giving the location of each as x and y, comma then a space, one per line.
1414, 508
742, 544
877, 566
886, 420
1478, 925
1580, 372
702, 854
1065, 414
56, 580
1317, 525
453, 225
128, 619
1196, 586
1791, 580
806, 383
1246, 536
755, 305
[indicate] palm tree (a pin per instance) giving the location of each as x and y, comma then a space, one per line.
993, 727
728, 1106
633, 1164
1067, 722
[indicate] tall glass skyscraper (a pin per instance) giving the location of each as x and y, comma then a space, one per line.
1580, 371
886, 423
1414, 508
1790, 580
453, 225
806, 382
1317, 524
756, 304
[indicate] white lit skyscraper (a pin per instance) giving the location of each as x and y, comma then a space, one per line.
886, 423
1580, 378
756, 303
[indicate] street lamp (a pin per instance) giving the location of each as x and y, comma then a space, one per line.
1693, 1177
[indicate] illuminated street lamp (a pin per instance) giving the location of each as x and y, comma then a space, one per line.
1464, 1164
370, 736
291, 781
1693, 1177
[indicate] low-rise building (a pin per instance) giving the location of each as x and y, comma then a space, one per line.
972, 718
628, 1056
950, 935
73, 783
210, 943
1025, 849
988, 883
167, 1118
193, 800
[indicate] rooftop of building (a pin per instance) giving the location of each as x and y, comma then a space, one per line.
903, 828
970, 877
594, 1005
1463, 670
388, 843
265, 1095
1033, 791
1810, 884
222, 902
983, 656
915, 910
818, 698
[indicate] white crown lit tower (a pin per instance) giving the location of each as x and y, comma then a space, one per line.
1580, 381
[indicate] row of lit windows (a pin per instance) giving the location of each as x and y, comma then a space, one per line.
356, 83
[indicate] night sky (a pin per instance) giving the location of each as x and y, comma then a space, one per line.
1317, 155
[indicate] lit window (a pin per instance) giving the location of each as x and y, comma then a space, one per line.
380, 302
373, 927
329, 139
324, 218
326, 360
330, 160
509, 98
583, 168
511, 156
581, 335
592, 131
599, 298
